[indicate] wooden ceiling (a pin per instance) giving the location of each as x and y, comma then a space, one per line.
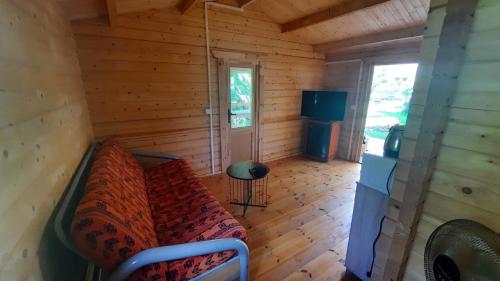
391, 15
316, 22
82, 9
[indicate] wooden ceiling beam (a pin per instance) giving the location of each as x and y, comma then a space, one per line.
332, 12
85, 9
244, 3
185, 5
408, 33
402, 52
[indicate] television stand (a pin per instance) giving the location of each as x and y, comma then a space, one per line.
321, 139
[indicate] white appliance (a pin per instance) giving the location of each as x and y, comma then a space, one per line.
370, 204
375, 171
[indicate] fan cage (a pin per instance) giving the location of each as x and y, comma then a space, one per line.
457, 248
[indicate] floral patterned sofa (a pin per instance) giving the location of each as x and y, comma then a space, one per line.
126, 210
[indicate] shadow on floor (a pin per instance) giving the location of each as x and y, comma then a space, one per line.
347, 276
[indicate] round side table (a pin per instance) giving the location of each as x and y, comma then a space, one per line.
248, 184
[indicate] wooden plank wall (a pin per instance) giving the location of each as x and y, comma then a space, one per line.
469, 156
44, 127
344, 76
146, 81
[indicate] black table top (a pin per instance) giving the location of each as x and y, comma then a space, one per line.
247, 170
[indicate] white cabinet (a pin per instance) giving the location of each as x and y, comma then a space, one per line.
370, 204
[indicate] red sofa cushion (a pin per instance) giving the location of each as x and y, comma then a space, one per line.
113, 220
184, 211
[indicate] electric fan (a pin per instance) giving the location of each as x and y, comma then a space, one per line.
462, 250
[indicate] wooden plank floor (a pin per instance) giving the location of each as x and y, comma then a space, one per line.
303, 233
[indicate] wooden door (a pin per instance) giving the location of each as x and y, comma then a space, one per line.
240, 128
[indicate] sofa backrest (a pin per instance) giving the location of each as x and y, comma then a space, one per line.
113, 220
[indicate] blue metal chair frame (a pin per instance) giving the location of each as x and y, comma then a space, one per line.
175, 252
154, 255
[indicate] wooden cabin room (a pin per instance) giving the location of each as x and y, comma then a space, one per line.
250, 140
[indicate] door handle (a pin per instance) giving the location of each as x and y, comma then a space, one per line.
229, 114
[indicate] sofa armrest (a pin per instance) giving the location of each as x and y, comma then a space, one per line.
175, 252
157, 155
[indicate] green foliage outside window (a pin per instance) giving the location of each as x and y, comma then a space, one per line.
392, 87
241, 89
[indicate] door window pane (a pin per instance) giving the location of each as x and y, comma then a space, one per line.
241, 98
391, 90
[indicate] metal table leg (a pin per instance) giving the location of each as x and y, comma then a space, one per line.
247, 195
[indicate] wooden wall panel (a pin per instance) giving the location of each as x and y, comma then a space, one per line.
428, 54
44, 128
344, 76
469, 155
146, 81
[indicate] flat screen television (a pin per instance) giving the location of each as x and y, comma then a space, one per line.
324, 105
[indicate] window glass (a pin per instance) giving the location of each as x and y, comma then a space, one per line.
241, 98
391, 90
